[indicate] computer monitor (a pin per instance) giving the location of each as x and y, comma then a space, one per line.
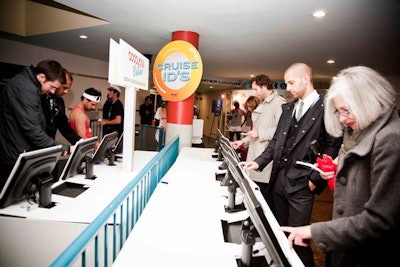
254, 203
77, 161
106, 146
117, 150
217, 148
228, 151
31, 172
118, 146
226, 145
104, 150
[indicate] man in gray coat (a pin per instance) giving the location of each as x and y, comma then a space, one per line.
265, 119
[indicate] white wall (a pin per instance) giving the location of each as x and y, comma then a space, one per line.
86, 72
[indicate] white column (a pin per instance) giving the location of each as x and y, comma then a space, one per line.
129, 129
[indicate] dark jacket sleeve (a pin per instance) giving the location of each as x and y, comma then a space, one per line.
142, 110
28, 109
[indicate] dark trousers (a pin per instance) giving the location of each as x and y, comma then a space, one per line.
293, 210
232, 134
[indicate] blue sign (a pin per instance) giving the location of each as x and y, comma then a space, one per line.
218, 106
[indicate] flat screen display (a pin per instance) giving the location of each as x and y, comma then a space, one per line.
28, 170
76, 162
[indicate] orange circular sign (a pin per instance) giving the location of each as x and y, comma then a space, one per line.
177, 70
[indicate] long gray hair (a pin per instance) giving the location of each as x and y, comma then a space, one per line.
366, 94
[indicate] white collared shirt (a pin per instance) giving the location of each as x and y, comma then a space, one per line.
309, 101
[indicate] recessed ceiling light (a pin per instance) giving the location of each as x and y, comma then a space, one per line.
319, 14
330, 61
83, 36
252, 75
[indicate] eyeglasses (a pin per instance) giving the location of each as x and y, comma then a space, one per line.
345, 113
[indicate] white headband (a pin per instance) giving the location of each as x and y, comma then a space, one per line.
92, 97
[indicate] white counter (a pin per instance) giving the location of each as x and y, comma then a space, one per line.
182, 222
35, 237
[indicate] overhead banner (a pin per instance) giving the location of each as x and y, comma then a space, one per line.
177, 70
127, 66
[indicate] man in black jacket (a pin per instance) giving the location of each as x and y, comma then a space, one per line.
146, 111
113, 112
22, 119
54, 110
292, 186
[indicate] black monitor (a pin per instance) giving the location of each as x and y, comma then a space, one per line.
117, 149
104, 150
262, 224
118, 146
217, 148
225, 144
105, 147
228, 180
31, 173
77, 161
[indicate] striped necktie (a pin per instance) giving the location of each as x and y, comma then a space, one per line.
299, 110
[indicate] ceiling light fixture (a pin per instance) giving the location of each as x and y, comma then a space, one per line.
330, 61
83, 36
319, 14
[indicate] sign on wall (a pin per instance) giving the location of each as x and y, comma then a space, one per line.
218, 107
127, 66
177, 70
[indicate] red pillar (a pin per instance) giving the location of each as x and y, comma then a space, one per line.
181, 112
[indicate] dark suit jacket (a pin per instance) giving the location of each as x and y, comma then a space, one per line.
311, 127
57, 119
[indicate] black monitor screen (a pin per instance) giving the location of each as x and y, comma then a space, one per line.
105, 147
118, 146
28, 169
76, 162
226, 145
276, 255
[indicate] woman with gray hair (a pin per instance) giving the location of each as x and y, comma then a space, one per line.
360, 106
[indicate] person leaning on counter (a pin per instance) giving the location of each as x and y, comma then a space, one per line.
365, 225
23, 124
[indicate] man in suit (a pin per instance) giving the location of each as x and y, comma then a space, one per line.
292, 186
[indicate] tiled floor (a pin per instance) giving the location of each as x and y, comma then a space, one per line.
322, 210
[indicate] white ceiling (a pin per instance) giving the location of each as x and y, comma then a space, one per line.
240, 38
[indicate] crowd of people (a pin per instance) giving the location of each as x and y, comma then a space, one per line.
33, 110
359, 131
356, 124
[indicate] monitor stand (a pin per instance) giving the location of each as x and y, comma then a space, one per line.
230, 182
43, 184
89, 167
248, 237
